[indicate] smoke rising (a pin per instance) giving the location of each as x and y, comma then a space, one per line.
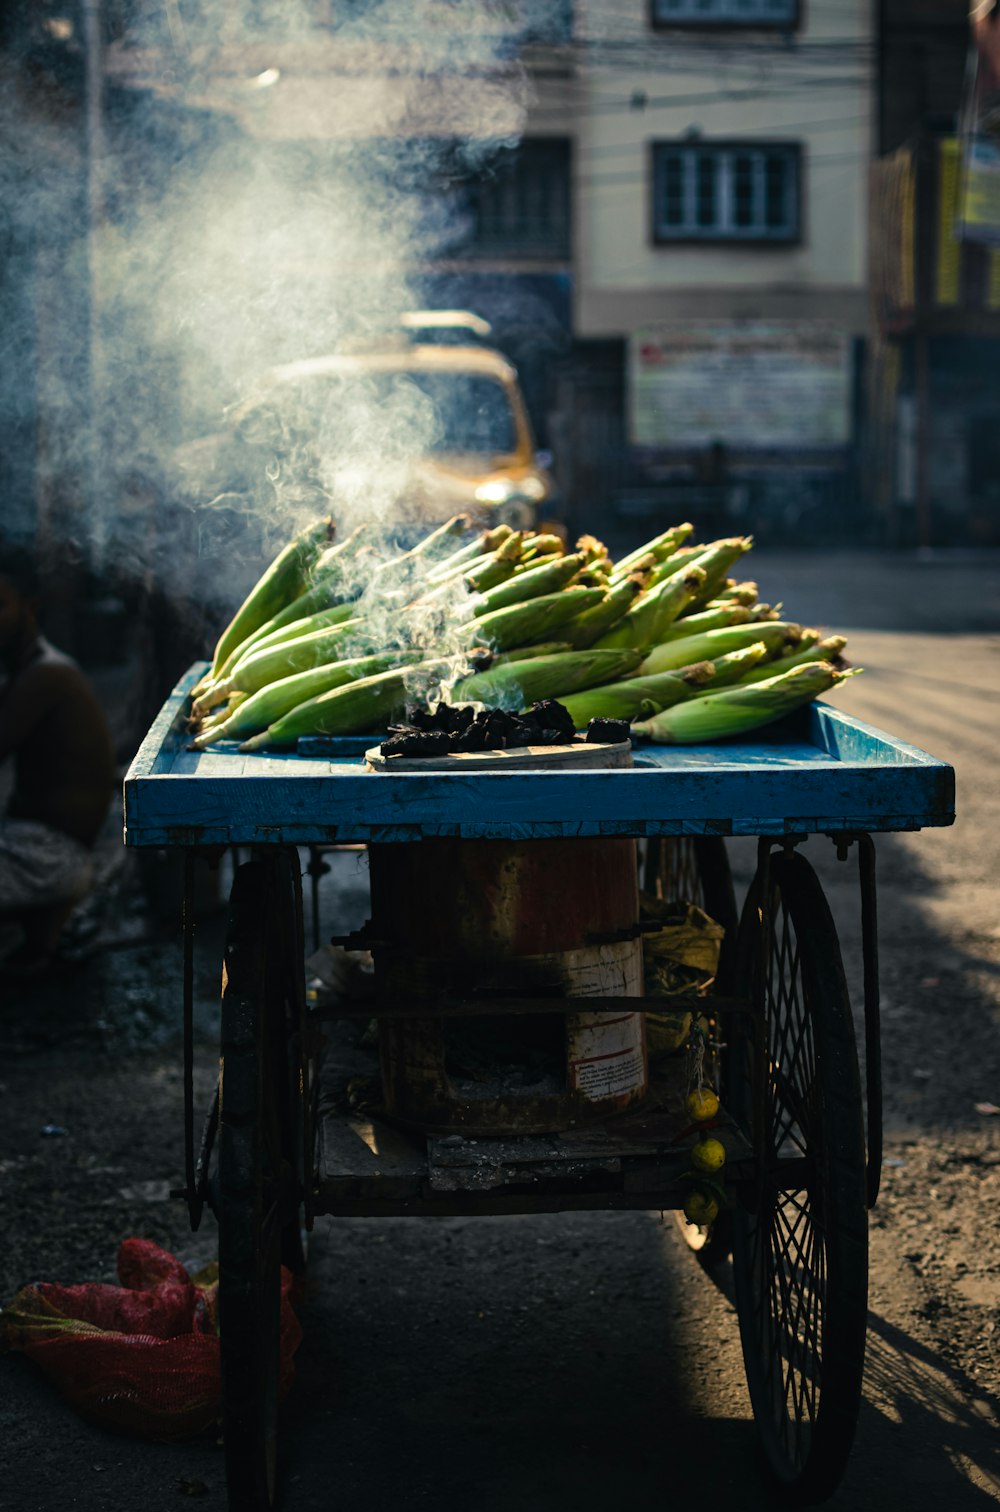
270, 190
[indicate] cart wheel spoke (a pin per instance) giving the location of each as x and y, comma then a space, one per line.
800, 1244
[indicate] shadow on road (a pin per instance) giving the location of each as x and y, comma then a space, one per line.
941, 1412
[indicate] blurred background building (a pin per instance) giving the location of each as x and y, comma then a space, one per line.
934, 453
728, 244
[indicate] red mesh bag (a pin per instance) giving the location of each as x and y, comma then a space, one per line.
142, 1357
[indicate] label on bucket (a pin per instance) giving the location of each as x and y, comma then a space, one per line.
606, 1056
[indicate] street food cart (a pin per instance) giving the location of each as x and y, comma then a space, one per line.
802, 1136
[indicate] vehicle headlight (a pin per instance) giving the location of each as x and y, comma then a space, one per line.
497, 491
504, 490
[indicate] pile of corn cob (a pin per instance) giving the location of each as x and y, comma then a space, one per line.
337, 639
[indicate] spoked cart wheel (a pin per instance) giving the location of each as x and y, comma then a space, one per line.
800, 1237
260, 1164
695, 869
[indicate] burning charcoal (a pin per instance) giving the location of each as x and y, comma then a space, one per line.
472, 739
452, 719
462, 718
551, 715
611, 731
424, 719
522, 732
417, 743
445, 718
497, 725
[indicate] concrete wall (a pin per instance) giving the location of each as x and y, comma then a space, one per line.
635, 85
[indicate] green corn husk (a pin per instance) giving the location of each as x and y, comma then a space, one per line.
529, 563
270, 665
481, 559
438, 542
496, 568
589, 627
219, 715
637, 695
257, 710
366, 704
328, 584
441, 594
683, 557
528, 585
647, 565
520, 624
660, 548
828, 650
712, 643
337, 614
542, 545
736, 711
734, 666
595, 550
707, 619
716, 561
491, 576
737, 593
649, 618
323, 595
541, 648
481, 547
283, 581
515, 685
401, 569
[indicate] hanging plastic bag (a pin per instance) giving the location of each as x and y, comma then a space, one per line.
682, 956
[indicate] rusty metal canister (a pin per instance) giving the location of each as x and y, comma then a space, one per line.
544, 918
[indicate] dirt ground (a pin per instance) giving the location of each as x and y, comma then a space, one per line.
581, 1360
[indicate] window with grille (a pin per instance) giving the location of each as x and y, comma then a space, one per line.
521, 206
726, 191
725, 12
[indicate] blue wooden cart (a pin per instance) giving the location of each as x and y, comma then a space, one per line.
804, 1145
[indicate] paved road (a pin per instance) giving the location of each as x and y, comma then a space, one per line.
578, 1361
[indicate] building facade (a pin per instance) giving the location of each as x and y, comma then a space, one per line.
661, 205
934, 461
721, 155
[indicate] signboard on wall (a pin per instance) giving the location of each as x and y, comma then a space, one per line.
773, 385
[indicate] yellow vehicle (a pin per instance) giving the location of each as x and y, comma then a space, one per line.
400, 425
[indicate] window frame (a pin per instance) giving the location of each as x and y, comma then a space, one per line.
560, 152
793, 149
728, 23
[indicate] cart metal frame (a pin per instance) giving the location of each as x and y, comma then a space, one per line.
801, 1170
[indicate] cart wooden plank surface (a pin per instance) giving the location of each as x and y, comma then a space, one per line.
819, 770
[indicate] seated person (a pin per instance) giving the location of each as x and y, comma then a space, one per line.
64, 769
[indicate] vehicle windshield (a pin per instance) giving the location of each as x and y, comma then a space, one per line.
438, 412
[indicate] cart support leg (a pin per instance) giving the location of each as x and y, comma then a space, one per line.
195, 1189
190, 1185
873, 1031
